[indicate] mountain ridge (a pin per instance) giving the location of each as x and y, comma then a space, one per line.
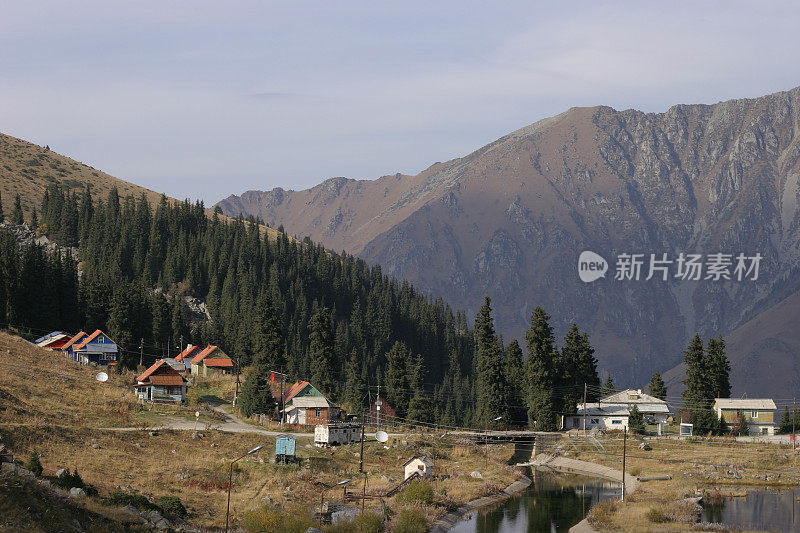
509, 219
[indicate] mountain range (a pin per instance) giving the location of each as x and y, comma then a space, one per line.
511, 219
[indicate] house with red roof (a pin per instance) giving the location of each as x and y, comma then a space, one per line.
161, 384
304, 404
67, 348
53, 341
97, 348
185, 358
211, 361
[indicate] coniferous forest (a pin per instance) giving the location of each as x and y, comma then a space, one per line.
279, 304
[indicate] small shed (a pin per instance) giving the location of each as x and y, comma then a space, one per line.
284, 449
420, 464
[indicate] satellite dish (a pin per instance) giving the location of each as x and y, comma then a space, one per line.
102, 377
381, 436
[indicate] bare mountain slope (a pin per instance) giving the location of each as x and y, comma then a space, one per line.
510, 220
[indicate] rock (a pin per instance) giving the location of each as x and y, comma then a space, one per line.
644, 446
214, 445
154, 433
476, 474
162, 524
313, 530
197, 435
95, 446
77, 492
131, 509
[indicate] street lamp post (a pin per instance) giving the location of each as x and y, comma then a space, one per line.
325, 488
230, 482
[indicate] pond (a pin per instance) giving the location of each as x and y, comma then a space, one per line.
553, 502
763, 510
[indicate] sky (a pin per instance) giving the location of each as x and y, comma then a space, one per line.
205, 99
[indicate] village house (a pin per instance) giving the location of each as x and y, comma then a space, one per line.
420, 464
758, 413
613, 411
184, 359
211, 361
67, 348
306, 405
161, 384
53, 341
97, 348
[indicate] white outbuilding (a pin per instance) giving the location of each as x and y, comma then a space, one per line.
420, 464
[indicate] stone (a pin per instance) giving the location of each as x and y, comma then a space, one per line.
644, 446
313, 530
95, 446
197, 435
214, 445
154, 433
77, 492
131, 509
476, 474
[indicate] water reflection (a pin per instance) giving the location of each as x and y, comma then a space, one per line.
554, 502
764, 510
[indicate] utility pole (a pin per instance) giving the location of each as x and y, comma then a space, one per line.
141, 352
361, 459
181, 346
624, 449
378, 404
794, 435
282, 413
235, 394
584, 409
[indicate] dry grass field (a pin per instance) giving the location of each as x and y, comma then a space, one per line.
55, 407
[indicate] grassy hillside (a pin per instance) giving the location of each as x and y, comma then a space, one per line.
28, 169
56, 407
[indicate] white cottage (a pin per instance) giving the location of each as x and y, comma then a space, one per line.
420, 464
613, 411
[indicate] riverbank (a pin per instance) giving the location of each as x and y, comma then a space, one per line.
686, 469
445, 523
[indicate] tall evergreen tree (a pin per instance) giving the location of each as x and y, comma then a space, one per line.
493, 392
696, 394
321, 348
539, 371
657, 387
269, 341
515, 376
16, 214
396, 377
579, 370
719, 368
608, 386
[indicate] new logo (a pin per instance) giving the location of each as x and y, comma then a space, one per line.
591, 266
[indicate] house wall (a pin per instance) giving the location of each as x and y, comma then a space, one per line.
595, 422
417, 466
730, 415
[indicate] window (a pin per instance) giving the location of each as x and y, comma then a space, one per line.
754, 414
617, 421
594, 421
574, 422
319, 413
101, 340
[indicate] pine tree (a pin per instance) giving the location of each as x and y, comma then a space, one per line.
657, 387
493, 390
355, 385
269, 339
16, 215
256, 396
323, 358
608, 387
34, 220
539, 371
396, 378
636, 420
719, 369
515, 376
696, 395
578, 368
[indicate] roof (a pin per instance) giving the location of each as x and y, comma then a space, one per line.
745, 403
218, 361
202, 355
295, 389
165, 379
54, 341
423, 458
74, 339
146, 374
92, 337
48, 336
159, 370
609, 409
189, 352
309, 401
631, 396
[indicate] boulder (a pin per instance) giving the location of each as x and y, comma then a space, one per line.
644, 446
154, 433
61, 473
476, 474
77, 492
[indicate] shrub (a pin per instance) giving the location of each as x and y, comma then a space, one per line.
656, 516
267, 520
172, 505
600, 515
411, 521
370, 522
34, 464
73, 479
418, 492
122, 499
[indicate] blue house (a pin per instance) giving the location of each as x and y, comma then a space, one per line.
97, 348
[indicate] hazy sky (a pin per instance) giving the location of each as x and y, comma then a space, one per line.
204, 99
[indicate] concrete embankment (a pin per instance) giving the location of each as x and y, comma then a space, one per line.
450, 519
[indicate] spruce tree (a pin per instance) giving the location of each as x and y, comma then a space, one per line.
256, 396
657, 387
578, 367
608, 387
396, 378
323, 358
696, 394
493, 391
269, 339
719, 368
539, 371
636, 420
515, 376
16, 214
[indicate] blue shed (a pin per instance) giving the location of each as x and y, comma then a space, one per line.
284, 448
